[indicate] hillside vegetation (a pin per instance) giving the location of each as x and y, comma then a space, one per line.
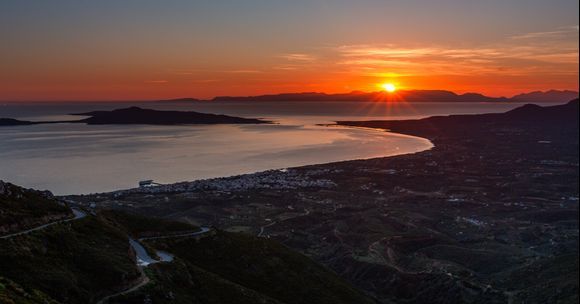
24, 208
90, 258
268, 266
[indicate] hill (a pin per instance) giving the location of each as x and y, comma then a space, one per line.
74, 262
271, 268
90, 258
12, 293
527, 116
547, 96
136, 115
21, 208
14, 122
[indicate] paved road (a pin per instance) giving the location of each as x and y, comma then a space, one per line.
201, 231
78, 214
143, 280
144, 259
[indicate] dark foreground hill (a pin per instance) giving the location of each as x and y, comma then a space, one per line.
225, 266
89, 259
22, 209
488, 215
529, 117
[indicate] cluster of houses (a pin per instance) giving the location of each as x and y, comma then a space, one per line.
272, 179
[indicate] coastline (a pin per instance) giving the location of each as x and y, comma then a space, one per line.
496, 190
263, 175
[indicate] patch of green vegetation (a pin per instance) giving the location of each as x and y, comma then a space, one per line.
480, 261
554, 280
24, 208
12, 293
141, 226
180, 282
74, 262
264, 266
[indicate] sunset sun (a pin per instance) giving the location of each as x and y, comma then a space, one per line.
389, 87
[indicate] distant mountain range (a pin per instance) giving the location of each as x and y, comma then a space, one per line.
409, 96
548, 96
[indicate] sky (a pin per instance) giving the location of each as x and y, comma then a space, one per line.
156, 49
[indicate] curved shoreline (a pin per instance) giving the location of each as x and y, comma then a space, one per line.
275, 170
490, 181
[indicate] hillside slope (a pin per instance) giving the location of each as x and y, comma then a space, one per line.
90, 258
24, 208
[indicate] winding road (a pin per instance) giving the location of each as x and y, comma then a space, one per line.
201, 231
78, 214
143, 258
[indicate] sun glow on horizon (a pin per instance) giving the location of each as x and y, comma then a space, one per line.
389, 87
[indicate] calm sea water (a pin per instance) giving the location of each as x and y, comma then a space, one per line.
74, 158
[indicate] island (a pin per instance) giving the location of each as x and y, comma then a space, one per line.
137, 115
14, 122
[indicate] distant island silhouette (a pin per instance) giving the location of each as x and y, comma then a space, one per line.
136, 115
406, 95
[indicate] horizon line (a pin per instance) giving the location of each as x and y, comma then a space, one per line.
271, 94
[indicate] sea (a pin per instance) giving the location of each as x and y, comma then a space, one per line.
81, 159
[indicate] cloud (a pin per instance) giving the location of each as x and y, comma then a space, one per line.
517, 55
244, 71
205, 81
562, 32
157, 81
286, 67
300, 57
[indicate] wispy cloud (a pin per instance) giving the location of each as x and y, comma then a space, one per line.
300, 57
517, 55
286, 67
156, 81
205, 81
244, 71
563, 32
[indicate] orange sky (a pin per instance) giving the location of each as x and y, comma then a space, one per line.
144, 51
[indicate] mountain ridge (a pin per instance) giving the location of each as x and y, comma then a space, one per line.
407, 95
